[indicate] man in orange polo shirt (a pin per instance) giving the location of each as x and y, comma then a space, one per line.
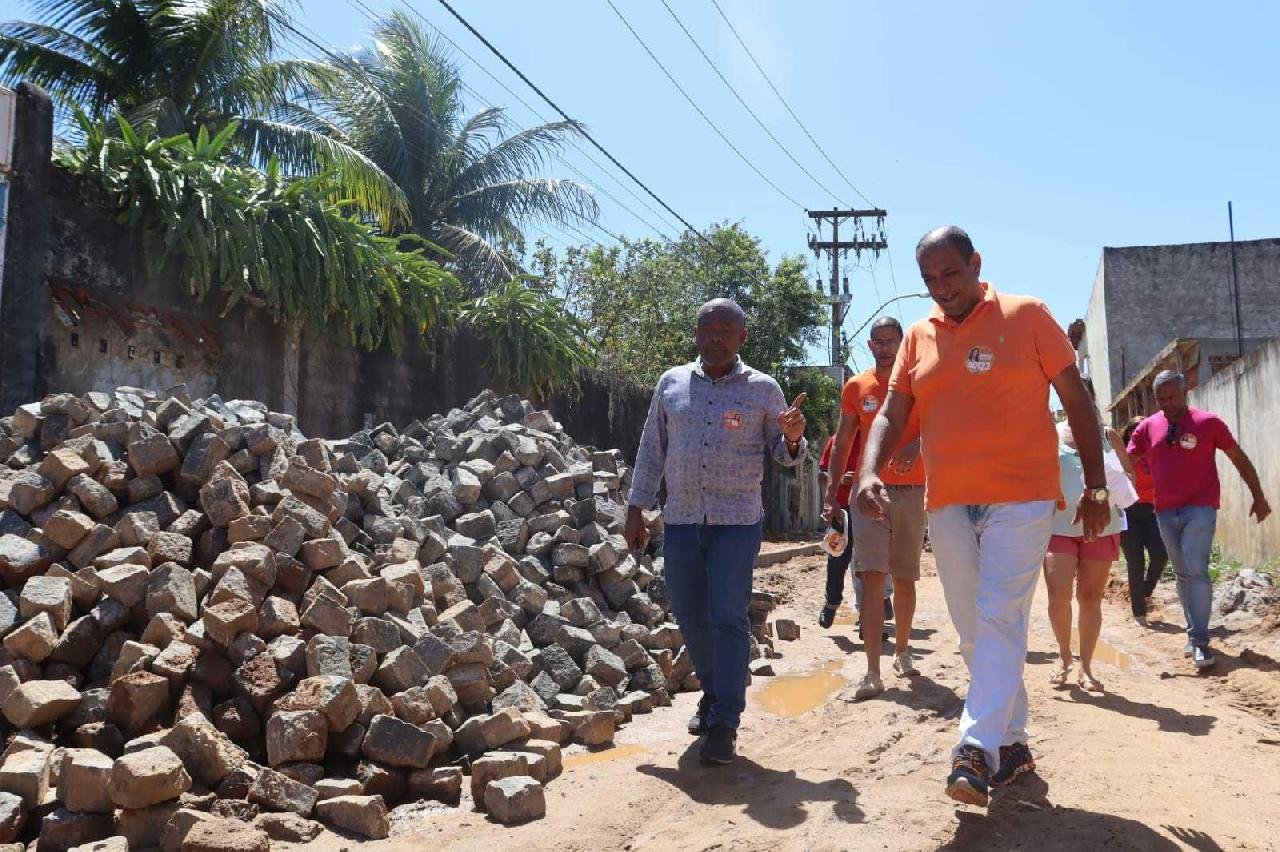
977, 372
889, 545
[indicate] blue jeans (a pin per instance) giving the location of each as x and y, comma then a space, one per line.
709, 568
1188, 536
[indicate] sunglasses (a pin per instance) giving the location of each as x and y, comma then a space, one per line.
1172, 435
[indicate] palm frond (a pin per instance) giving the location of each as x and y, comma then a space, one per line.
543, 199
476, 259
517, 155
51, 62
303, 150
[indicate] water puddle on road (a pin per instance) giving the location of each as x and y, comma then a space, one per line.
1105, 652
587, 758
845, 616
795, 695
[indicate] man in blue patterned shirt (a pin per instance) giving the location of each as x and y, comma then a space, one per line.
709, 427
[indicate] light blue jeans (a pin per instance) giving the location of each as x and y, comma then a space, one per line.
989, 559
1188, 536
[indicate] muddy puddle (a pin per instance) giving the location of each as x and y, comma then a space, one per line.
1105, 652
797, 694
587, 758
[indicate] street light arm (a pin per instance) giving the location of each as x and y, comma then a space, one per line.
877, 311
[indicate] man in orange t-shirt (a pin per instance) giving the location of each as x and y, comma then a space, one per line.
977, 371
889, 545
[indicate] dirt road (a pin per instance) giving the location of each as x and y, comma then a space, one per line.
1164, 760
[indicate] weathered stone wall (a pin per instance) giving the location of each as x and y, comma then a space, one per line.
1247, 395
1145, 296
82, 308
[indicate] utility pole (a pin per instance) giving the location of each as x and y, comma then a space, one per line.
838, 297
1235, 281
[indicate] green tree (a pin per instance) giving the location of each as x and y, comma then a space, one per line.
639, 302
192, 64
470, 182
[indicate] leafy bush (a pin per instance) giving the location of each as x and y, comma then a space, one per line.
255, 236
534, 345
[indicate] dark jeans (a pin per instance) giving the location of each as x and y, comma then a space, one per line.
837, 570
709, 568
1140, 540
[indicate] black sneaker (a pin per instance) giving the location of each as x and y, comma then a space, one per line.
698, 721
967, 782
1015, 760
721, 744
827, 617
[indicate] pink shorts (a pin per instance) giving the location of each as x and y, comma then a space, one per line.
1104, 549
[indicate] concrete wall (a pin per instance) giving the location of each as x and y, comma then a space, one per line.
1150, 295
82, 308
1247, 395
1095, 329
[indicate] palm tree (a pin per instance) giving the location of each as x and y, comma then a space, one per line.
188, 64
470, 183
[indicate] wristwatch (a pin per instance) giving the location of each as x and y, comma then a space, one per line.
1098, 495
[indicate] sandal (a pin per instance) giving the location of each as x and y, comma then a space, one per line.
1060, 673
1089, 683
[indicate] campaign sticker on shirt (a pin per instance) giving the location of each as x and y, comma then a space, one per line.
1187, 441
870, 403
731, 420
979, 359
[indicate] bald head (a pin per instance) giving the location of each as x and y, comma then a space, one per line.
951, 269
727, 307
947, 236
719, 334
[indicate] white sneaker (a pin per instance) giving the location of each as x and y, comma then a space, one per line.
904, 665
869, 687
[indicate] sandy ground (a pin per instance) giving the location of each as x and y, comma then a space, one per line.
1164, 760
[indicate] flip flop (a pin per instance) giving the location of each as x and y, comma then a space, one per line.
1089, 683
1059, 676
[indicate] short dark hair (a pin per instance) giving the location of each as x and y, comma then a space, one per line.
950, 236
726, 305
887, 322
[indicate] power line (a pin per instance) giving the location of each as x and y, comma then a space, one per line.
566, 117
745, 105
541, 117
699, 109
788, 106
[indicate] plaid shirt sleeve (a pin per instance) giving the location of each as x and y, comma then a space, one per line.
651, 457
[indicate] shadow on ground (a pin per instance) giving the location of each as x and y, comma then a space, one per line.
774, 798
1022, 817
1167, 718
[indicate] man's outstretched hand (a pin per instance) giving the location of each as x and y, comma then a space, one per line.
792, 421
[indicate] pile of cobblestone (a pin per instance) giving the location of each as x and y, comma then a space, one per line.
217, 631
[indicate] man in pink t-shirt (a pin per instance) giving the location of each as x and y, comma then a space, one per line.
1180, 443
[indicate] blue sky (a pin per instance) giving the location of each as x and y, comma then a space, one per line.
1047, 130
